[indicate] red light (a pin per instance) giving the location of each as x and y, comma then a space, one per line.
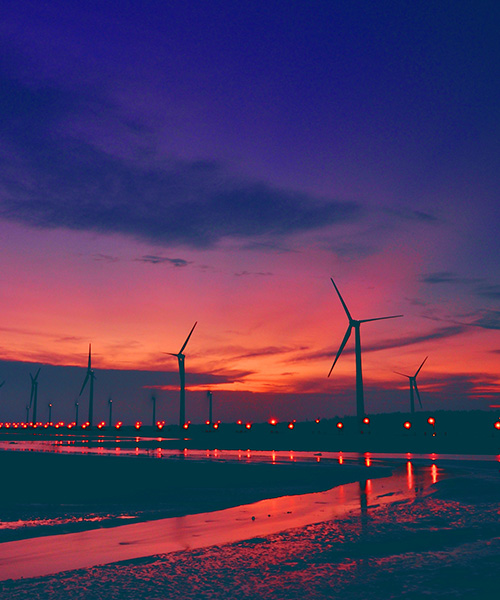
160, 424
407, 425
273, 422
366, 421
186, 425
239, 422
248, 426
291, 425
497, 425
216, 425
340, 425
431, 421
316, 420
207, 422
118, 425
138, 424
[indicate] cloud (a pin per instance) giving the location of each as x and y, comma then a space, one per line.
446, 277
254, 274
488, 319
53, 178
410, 340
489, 291
155, 260
414, 215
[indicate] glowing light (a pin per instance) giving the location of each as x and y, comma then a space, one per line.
216, 425
368, 461
431, 421
248, 426
118, 425
434, 473
291, 425
186, 425
340, 425
138, 424
366, 421
497, 425
407, 425
409, 475
239, 422
341, 459
273, 422
207, 422
160, 424
316, 420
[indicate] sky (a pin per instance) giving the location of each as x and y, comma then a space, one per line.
166, 163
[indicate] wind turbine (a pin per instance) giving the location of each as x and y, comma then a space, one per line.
356, 324
34, 393
90, 375
180, 358
413, 386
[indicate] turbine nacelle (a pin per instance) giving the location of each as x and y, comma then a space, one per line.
353, 324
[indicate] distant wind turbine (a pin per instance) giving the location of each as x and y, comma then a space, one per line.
413, 386
90, 375
180, 358
356, 324
34, 393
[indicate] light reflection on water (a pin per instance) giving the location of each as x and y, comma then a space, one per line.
238, 523
122, 448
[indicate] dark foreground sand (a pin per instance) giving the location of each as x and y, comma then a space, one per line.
445, 544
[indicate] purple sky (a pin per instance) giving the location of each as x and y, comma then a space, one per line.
167, 162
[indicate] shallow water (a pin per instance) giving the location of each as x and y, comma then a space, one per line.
36, 557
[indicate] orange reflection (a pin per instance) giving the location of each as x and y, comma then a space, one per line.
341, 459
409, 475
434, 473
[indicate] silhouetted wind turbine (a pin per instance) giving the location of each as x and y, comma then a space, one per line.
413, 386
34, 393
180, 357
356, 324
90, 375
153, 399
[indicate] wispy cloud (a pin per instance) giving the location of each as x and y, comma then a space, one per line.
409, 340
253, 274
446, 277
157, 260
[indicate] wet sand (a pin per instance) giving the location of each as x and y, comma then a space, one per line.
444, 543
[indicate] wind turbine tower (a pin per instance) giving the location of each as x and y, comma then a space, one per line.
180, 358
89, 375
34, 393
356, 325
413, 386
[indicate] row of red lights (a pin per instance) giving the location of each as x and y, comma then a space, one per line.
161, 424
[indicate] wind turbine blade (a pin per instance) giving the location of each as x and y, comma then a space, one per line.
380, 318
418, 395
418, 371
398, 373
343, 303
37, 373
342, 345
170, 354
187, 339
32, 394
84, 384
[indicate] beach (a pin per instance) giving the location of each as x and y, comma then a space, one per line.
438, 539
